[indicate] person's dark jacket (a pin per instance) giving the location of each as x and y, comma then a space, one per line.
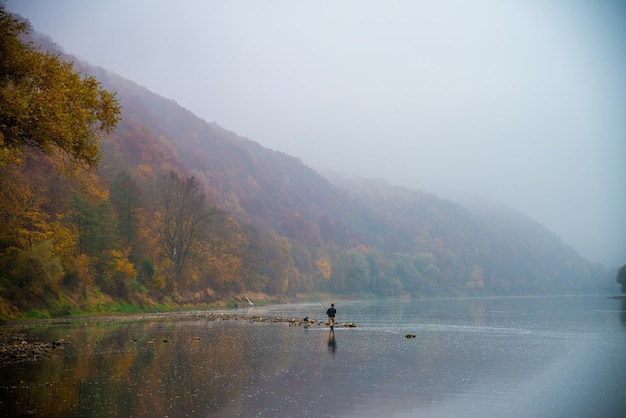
331, 312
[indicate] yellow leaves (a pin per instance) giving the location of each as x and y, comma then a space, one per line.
145, 172
122, 265
32, 228
64, 239
8, 156
46, 104
324, 267
158, 282
25, 223
38, 268
91, 185
223, 255
225, 269
145, 176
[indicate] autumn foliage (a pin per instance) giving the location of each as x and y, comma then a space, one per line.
181, 212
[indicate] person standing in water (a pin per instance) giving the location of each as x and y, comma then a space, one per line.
331, 315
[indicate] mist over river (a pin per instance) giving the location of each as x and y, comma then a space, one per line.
470, 357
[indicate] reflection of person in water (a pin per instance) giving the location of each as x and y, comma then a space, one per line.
332, 344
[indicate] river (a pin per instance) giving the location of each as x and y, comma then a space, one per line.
469, 357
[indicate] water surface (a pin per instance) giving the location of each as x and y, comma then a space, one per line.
471, 357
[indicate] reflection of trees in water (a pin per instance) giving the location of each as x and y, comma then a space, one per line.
622, 314
199, 368
141, 369
230, 368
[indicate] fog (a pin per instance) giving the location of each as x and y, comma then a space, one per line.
522, 102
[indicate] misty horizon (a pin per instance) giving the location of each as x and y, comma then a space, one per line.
520, 103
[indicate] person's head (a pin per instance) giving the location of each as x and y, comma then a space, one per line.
332, 305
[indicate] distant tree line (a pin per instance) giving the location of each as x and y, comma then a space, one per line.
621, 278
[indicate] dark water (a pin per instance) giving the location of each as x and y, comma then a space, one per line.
487, 357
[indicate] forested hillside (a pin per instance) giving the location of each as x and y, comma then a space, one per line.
182, 212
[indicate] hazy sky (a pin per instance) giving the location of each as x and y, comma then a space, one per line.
520, 101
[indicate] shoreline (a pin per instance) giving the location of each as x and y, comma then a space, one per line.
17, 346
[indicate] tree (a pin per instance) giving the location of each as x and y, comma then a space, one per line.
621, 277
403, 268
20, 209
358, 277
276, 263
37, 269
45, 103
182, 219
223, 259
126, 200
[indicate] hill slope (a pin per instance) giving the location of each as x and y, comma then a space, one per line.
182, 211
509, 251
